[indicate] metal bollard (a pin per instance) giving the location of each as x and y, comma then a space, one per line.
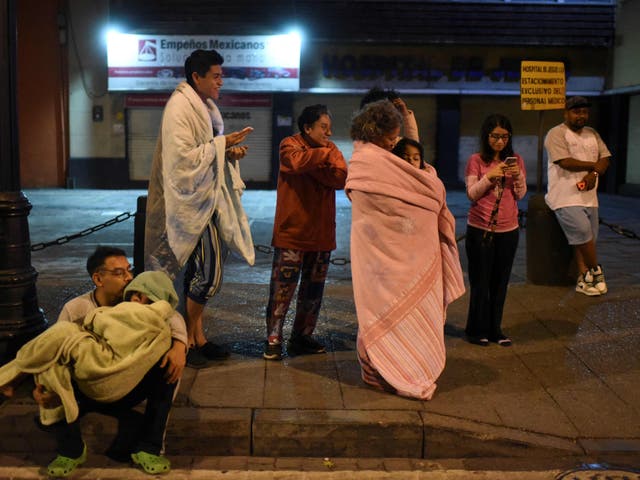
20, 317
138, 234
548, 253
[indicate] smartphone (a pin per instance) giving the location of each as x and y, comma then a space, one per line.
510, 160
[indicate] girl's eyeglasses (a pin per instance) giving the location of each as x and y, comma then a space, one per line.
497, 136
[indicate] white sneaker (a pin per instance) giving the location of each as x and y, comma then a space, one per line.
598, 279
585, 285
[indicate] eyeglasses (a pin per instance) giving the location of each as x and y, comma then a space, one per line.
497, 136
118, 272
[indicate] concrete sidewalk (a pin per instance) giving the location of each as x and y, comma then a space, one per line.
569, 386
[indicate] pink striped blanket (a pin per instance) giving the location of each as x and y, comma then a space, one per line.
405, 269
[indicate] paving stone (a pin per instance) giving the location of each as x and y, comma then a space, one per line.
238, 383
596, 410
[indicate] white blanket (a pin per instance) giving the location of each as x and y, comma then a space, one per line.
190, 180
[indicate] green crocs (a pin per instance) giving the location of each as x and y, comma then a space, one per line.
151, 463
63, 466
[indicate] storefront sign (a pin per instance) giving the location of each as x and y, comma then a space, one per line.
542, 85
156, 62
444, 69
418, 68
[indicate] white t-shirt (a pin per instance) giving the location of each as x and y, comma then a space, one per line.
562, 142
75, 310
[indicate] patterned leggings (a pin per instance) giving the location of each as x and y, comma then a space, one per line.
285, 272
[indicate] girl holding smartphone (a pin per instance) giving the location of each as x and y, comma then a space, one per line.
495, 180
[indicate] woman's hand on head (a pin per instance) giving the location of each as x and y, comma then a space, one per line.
401, 106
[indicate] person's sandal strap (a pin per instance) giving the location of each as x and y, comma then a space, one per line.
151, 463
62, 466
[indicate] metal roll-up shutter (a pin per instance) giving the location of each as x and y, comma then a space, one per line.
143, 126
343, 106
238, 111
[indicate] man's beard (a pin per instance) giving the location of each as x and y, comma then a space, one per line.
576, 126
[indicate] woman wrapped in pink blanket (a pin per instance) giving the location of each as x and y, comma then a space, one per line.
405, 263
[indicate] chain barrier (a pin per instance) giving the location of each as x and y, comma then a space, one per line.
620, 230
269, 250
625, 232
88, 231
126, 216
266, 249
522, 223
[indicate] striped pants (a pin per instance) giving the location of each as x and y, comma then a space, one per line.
203, 276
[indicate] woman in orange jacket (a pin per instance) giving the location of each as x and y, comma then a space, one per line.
304, 231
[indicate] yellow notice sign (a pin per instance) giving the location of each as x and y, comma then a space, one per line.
542, 85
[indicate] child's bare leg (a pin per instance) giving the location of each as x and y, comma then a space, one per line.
9, 389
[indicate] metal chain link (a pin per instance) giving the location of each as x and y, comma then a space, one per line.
127, 215
522, 223
522, 214
88, 231
620, 230
264, 249
625, 232
269, 250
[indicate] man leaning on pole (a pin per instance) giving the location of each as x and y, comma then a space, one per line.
577, 157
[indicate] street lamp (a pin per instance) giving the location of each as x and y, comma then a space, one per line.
20, 316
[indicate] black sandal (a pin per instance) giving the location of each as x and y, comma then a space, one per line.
482, 341
503, 341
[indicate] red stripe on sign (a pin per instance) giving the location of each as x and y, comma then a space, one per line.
138, 100
141, 100
242, 100
147, 72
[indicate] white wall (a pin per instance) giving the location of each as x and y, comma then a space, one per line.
626, 55
633, 145
88, 85
626, 74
